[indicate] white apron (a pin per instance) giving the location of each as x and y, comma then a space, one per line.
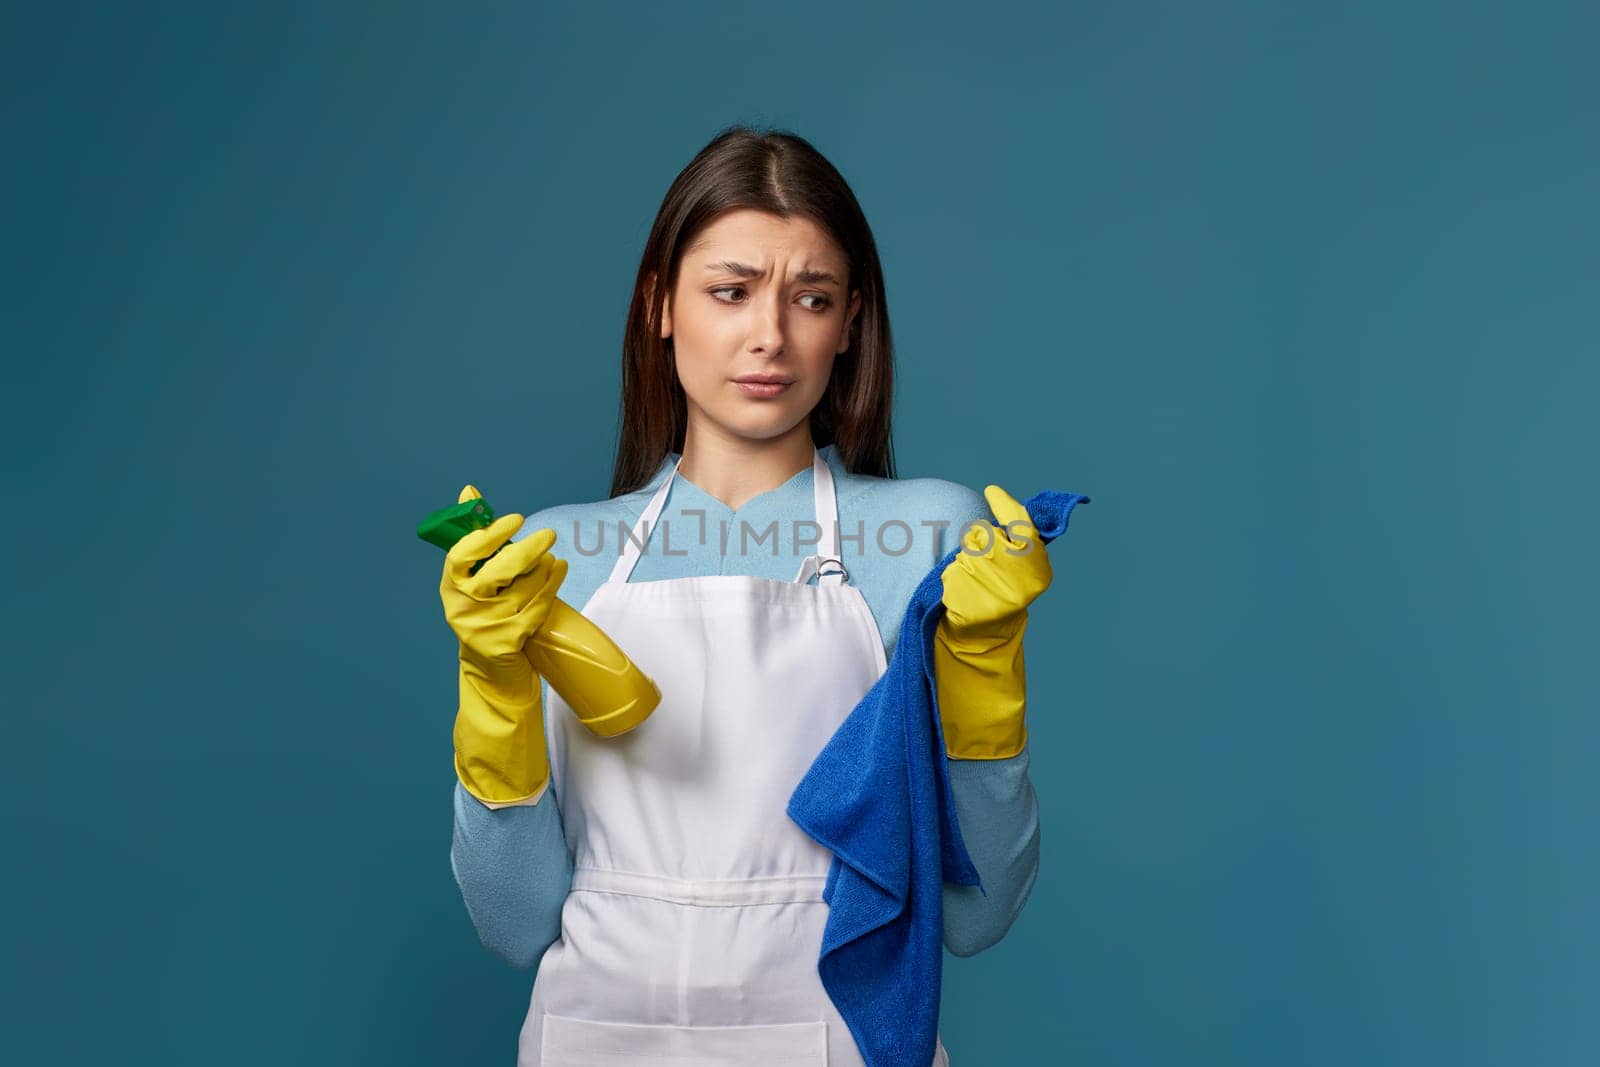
692, 931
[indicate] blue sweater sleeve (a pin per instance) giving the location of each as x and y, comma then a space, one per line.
996, 809
514, 873
511, 864
999, 818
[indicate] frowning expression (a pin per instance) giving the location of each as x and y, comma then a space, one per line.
758, 297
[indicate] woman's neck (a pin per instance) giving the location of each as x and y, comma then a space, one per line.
734, 469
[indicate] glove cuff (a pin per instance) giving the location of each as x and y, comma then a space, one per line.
982, 693
500, 750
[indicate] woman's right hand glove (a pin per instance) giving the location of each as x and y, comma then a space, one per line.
499, 731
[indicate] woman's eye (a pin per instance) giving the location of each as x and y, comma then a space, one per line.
822, 303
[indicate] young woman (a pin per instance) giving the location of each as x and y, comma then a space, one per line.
755, 557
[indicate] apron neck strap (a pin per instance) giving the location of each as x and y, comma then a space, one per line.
823, 500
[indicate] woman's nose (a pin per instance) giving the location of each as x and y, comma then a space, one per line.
766, 331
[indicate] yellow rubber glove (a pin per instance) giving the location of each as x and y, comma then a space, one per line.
977, 648
499, 731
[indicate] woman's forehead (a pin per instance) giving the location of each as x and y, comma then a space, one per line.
756, 237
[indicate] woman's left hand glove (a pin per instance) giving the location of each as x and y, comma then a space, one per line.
978, 664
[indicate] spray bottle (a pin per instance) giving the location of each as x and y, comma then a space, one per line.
609, 694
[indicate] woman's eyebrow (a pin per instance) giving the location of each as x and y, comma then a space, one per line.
744, 270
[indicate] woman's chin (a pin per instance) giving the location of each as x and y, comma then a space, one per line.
764, 424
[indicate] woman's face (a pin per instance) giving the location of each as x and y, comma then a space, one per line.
758, 295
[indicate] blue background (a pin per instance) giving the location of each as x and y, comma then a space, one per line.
1304, 295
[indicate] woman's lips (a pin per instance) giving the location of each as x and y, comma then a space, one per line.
762, 389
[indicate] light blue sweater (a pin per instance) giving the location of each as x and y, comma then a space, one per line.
512, 864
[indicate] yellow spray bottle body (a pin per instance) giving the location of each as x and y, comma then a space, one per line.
605, 689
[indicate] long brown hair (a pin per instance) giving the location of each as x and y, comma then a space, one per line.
780, 173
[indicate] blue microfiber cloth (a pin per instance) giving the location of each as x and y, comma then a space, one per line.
879, 797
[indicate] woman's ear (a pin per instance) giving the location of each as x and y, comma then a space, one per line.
849, 317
